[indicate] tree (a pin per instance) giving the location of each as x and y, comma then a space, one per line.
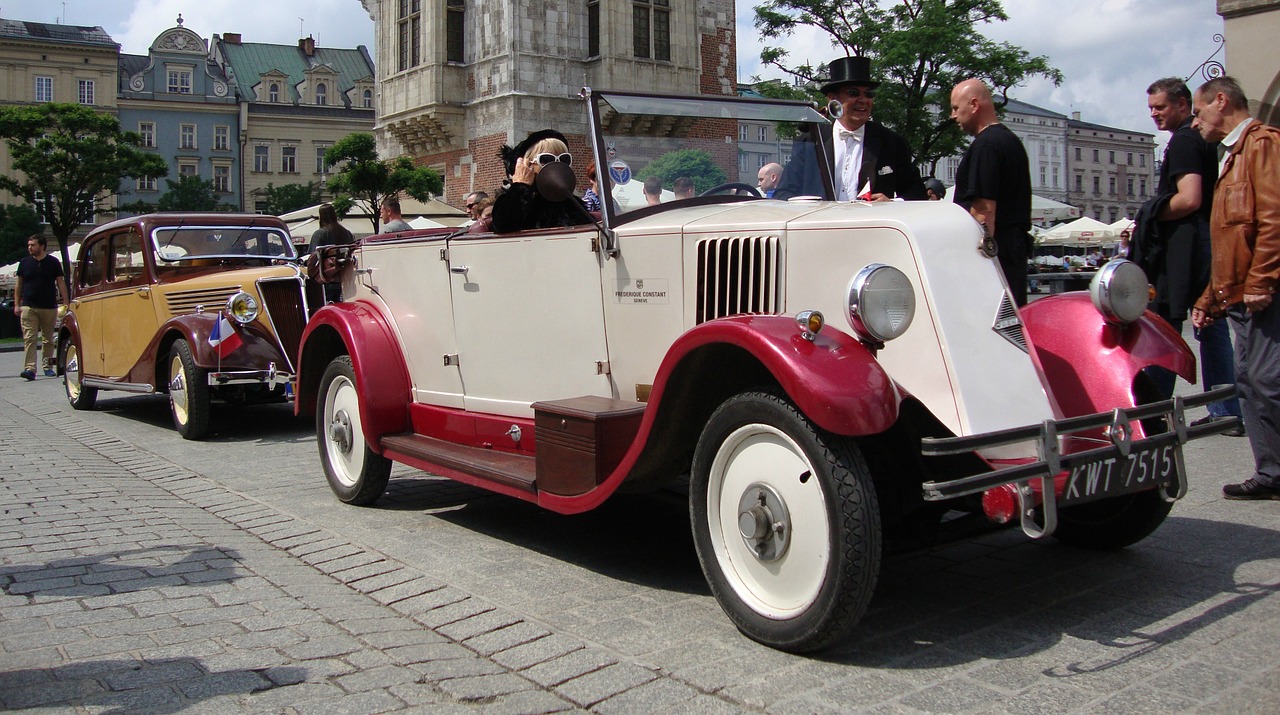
693, 163
64, 156
361, 176
290, 197
17, 224
921, 48
189, 193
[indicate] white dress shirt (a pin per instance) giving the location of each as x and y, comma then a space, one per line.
1229, 143
848, 159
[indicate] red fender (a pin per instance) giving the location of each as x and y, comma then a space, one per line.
1090, 365
382, 378
834, 380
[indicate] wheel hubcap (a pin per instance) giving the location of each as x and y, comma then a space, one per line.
72, 373
340, 431
178, 389
764, 522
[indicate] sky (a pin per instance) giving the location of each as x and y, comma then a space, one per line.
1107, 50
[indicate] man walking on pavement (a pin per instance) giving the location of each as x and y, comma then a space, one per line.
1245, 231
36, 303
1173, 239
993, 181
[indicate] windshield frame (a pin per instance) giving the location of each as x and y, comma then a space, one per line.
169, 260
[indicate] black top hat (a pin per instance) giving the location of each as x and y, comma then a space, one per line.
510, 154
848, 70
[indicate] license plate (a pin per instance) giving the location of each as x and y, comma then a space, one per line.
1113, 476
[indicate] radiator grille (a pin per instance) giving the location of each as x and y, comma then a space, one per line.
1009, 324
738, 275
182, 302
282, 301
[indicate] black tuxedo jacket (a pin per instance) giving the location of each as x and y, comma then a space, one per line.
886, 162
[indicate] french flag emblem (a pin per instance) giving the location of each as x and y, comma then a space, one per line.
224, 337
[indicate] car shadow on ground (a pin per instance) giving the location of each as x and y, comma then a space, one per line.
123, 685
268, 422
122, 571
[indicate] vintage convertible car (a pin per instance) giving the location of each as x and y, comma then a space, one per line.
195, 305
828, 376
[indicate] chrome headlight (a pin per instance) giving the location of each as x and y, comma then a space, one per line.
243, 308
881, 302
1119, 291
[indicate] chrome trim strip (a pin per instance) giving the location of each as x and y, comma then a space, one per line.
140, 387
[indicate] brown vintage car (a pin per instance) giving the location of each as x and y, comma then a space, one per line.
199, 306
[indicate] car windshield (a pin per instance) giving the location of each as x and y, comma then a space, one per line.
647, 143
187, 243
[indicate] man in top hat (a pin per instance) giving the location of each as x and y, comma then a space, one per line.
868, 161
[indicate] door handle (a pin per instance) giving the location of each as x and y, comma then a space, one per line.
144, 291
459, 269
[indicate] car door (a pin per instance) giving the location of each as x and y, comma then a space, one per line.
529, 318
129, 307
88, 303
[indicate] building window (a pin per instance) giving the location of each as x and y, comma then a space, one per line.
1111, 184
322, 94
764, 134
593, 28
1043, 173
368, 99
86, 91
222, 138
1078, 154
273, 93
651, 29
742, 132
1079, 183
453, 36
222, 179
409, 40
187, 169
44, 89
322, 167
187, 136
1130, 158
289, 160
146, 183
261, 159
180, 81
1095, 156
1142, 186
1097, 182
1111, 157
1142, 160
148, 132
1131, 186
1055, 177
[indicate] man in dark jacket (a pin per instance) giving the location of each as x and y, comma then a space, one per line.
867, 160
40, 283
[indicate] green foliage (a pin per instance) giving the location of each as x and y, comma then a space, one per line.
17, 224
70, 155
919, 48
291, 197
189, 193
693, 163
360, 176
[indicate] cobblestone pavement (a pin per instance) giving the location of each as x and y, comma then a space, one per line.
142, 573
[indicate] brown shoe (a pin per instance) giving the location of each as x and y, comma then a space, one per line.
1250, 489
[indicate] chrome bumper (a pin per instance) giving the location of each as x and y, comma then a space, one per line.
1052, 462
270, 377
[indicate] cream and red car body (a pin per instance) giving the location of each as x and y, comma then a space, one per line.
501, 360
127, 313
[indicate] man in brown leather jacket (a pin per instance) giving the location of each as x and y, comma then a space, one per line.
1245, 230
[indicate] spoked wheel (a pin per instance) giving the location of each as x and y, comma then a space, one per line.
188, 392
80, 397
786, 523
356, 474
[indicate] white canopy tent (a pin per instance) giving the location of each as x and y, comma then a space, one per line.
1083, 232
1043, 209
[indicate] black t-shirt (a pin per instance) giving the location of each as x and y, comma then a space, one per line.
995, 167
1188, 153
40, 281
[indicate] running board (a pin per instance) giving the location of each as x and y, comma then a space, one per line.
486, 467
99, 383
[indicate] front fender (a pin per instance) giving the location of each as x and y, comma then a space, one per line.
1091, 365
834, 379
382, 379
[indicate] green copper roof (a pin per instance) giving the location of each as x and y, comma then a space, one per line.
250, 60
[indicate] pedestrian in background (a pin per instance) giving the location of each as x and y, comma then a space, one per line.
934, 190
993, 181
767, 179
36, 300
1245, 231
392, 220
1174, 249
470, 200
330, 233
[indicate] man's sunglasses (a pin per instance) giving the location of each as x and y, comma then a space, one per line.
544, 159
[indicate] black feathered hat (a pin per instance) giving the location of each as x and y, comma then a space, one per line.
510, 154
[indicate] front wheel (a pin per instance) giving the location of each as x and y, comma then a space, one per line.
356, 474
188, 392
785, 522
80, 397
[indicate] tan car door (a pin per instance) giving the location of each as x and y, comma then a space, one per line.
129, 309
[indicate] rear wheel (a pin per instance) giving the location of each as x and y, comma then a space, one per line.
80, 397
188, 392
356, 474
786, 523
1114, 523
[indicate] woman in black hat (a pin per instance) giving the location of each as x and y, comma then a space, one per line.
520, 206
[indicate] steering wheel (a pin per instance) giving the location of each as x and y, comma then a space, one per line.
735, 186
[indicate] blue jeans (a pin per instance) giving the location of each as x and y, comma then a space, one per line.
1217, 365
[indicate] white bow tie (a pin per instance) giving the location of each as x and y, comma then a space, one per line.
849, 134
